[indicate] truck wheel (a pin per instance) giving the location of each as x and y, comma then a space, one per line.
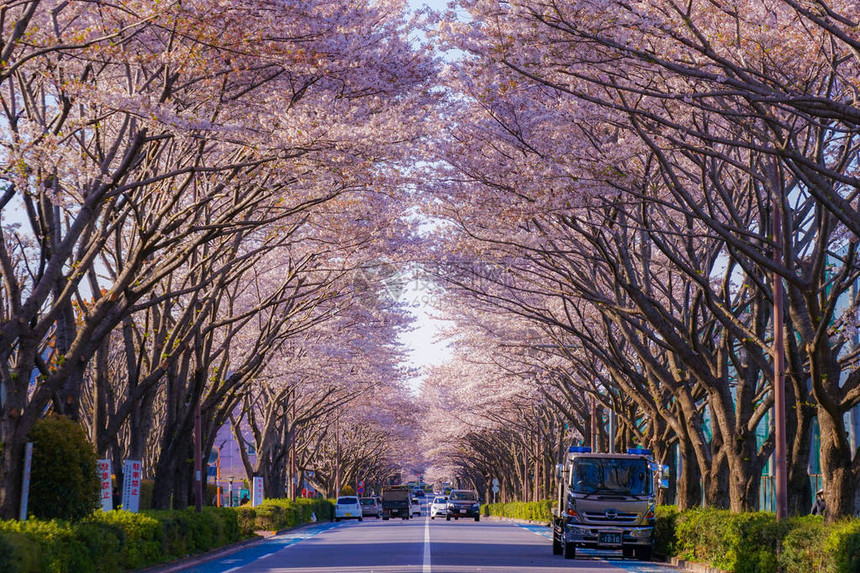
556, 545
477, 518
336, 519
569, 550
447, 518
627, 552
361, 519
643, 553
385, 518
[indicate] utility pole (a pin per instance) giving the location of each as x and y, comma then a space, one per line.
198, 459
780, 469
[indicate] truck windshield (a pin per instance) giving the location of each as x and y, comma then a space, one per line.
607, 475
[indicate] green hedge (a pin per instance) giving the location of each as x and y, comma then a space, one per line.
754, 542
276, 514
751, 542
113, 541
532, 510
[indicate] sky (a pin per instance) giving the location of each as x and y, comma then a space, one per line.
425, 344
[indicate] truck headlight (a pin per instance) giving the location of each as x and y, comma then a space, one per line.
649, 516
571, 513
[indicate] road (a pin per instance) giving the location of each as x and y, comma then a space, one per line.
418, 545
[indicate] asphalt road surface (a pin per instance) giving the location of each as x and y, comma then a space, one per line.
419, 545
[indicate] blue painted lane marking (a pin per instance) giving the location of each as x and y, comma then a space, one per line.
261, 551
619, 562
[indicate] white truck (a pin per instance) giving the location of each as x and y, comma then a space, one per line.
607, 501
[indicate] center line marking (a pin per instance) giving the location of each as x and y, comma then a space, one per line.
426, 568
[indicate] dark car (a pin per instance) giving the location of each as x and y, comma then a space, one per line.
463, 503
370, 507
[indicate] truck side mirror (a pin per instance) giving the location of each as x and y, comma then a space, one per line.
664, 477
559, 471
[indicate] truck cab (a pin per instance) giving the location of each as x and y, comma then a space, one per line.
607, 501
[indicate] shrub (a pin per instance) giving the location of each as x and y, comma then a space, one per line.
665, 540
276, 514
146, 488
18, 553
532, 510
699, 533
803, 547
142, 536
843, 544
58, 549
347, 490
64, 483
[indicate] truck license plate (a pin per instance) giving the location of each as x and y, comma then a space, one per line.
462, 511
609, 539
348, 515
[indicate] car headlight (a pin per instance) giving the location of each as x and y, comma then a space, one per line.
476, 506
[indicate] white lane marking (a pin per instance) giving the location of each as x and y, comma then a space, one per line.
233, 569
267, 555
426, 568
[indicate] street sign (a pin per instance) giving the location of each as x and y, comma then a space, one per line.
495, 489
495, 482
104, 477
361, 489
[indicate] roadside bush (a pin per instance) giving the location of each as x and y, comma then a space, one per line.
276, 514
58, 548
532, 510
804, 548
843, 544
18, 553
665, 540
699, 533
142, 536
64, 483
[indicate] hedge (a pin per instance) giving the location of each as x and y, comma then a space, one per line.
750, 542
754, 542
113, 541
532, 510
275, 514
106, 542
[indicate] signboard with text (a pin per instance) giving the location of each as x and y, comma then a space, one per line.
131, 470
258, 491
104, 477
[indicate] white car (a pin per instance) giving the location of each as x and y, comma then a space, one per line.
347, 507
437, 506
414, 507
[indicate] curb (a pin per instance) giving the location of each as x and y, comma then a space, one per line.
218, 552
514, 520
692, 566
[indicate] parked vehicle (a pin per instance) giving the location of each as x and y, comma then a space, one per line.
438, 506
414, 507
463, 503
370, 507
395, 502
347, 507
607, 501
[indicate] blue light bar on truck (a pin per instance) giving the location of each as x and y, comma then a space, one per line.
579, 450
639, 451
